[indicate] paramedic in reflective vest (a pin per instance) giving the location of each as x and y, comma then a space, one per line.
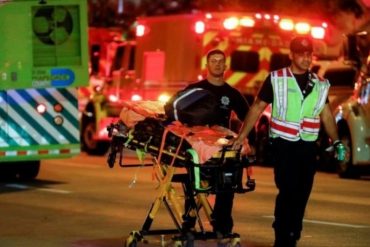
230, 99
299, 102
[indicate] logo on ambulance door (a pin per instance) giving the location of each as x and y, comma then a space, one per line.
54, 78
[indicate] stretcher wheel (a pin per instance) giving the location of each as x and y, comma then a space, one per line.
229, 242
235, 242
177, 243
130, 242
189, 242
132, 239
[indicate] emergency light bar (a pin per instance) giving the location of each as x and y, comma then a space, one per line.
239, 22
286, 24
231, 23
247, 22
235, 22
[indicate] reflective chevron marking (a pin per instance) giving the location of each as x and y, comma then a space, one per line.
71, 122
39, 152
25, 132
44, 121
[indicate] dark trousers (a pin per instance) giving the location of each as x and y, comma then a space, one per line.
222, 212
294, 170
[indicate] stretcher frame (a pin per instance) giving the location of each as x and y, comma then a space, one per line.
165, 174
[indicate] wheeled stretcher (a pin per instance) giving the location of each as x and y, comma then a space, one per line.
206, 168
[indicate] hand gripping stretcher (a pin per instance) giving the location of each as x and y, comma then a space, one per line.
210, 167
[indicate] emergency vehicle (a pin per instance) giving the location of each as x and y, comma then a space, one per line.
44, 58
353, 116
111, 56
170, 52
353, 120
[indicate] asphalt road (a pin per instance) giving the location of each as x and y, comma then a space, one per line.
80, 202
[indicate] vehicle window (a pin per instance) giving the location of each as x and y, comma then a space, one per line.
94, 58
131, 63
341, 77
245, 61
365, 92
118, 58
278, 61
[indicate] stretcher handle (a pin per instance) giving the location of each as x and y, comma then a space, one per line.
118, 132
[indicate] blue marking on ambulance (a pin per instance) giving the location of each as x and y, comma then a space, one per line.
63, 73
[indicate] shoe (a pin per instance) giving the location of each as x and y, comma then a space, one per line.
292, 243
189, 223
224, 229
285, 239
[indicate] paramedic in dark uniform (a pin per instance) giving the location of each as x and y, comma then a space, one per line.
299, 102
230, 99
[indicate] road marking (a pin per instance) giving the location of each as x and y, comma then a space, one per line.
327, 223
26, 187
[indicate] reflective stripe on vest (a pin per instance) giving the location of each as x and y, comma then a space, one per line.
293, 117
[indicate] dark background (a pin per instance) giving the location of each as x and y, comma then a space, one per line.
347, 15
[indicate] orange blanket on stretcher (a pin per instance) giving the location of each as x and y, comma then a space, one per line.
206, 141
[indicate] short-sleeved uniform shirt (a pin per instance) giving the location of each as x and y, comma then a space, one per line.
229, 98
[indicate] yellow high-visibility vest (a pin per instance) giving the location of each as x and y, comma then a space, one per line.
293, 116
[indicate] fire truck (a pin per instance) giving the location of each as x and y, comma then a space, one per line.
43, 61
111, 72
170, 52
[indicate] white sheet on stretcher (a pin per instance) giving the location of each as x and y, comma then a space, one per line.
206, 141
136, 111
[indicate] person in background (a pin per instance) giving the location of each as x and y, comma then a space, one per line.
230, 100
299, 102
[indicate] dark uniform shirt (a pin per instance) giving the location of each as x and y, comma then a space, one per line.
229, 98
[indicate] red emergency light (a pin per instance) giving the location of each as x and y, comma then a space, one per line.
247, 21
302, 27
258, 16
208, 15
113, 98
318, 32
136, 97
231, 23
58, 107
140, 30
276, 17
286, 24
199, 27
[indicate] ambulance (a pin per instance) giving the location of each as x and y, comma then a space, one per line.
169, 52
44, 58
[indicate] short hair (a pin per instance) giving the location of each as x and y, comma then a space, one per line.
215, 51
